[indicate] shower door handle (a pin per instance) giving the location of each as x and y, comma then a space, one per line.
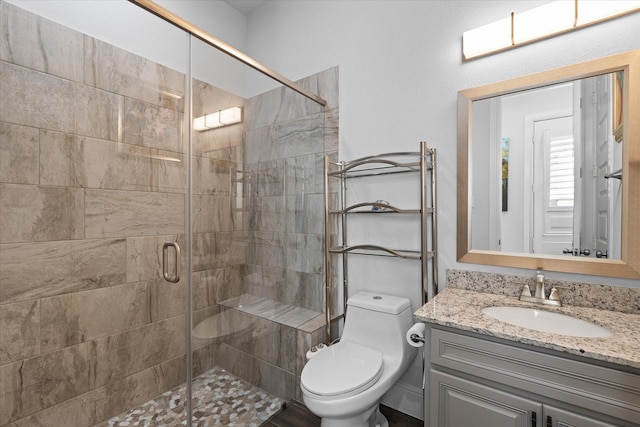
165, 262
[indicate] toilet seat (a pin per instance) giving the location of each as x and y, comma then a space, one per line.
343, 368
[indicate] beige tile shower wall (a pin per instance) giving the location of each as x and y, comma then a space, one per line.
92, 182
284, 154
287, 138
218, 237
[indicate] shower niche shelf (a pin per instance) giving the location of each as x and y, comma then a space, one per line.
420, 164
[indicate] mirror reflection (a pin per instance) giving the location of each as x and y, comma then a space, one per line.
619, 77
546, 168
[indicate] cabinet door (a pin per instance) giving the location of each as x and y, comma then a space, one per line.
554, 417
457, 402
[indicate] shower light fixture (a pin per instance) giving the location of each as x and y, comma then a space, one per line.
546, 21
218, 119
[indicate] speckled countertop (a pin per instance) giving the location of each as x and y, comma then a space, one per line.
462, 309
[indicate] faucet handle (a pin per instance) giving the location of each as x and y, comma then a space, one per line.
554, 295
526, 291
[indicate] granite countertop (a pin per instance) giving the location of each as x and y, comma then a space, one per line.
462, 309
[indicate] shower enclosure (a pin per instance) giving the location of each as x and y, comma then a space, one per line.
115, 151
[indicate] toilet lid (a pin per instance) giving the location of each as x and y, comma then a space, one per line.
342, 368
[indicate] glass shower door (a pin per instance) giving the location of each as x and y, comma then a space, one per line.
225, 388
93, 182
257, 246
100, 169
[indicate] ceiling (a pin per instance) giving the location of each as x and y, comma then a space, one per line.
246, 6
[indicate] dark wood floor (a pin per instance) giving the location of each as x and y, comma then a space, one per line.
296, 415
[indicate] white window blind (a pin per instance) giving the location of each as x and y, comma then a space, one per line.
561, 172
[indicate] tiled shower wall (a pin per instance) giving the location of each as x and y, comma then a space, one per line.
287, 137
219, 243
92, 182
278, 227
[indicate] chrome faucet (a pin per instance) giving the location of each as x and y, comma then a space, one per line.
540, 292
540, 296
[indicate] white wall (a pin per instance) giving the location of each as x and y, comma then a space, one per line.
400, 70
485, 177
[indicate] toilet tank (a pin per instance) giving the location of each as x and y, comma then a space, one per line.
379, 321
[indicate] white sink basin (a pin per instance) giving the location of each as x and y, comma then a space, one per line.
547, 321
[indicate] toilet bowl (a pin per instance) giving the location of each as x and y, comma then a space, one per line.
344, 383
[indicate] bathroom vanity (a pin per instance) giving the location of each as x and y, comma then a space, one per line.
483, 372
480, 371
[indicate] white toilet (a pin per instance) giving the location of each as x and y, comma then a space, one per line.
344, 383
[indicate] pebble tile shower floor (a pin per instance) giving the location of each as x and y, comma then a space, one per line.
219, 399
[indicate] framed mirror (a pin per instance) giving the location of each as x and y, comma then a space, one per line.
549, 170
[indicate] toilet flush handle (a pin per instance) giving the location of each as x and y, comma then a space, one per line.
417, 338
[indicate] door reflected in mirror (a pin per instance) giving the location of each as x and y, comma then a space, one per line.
545, 167
540, 187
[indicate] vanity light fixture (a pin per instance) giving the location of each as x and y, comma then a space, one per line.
218, 119
546, 21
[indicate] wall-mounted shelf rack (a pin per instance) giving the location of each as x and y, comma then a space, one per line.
422, 164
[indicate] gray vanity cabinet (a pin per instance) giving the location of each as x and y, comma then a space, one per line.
561, 418
458, 402
474, 380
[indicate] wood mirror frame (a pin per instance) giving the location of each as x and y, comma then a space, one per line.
628, 266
